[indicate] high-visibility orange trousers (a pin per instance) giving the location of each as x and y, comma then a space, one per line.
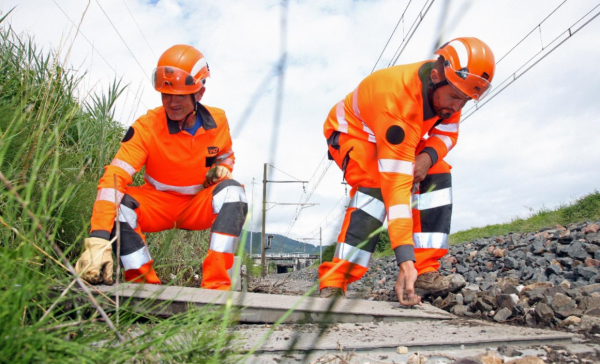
432, 210
221, 207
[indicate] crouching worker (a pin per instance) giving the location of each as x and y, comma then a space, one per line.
186, 149
390, 137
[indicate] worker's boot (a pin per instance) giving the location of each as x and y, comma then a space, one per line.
332, 292
434, 284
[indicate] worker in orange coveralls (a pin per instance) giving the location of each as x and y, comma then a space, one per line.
377, 136
185, 147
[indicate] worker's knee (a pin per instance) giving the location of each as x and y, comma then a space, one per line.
231, 207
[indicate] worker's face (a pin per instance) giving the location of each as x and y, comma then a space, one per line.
447, 99
180, 106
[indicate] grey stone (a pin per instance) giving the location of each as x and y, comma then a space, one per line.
587, 272
509, 351
469, 295
483, 305
507, 301
511, 263
543, 313
549, 293
564, 306
459, 310
553, 269
535, 295
577, 251
502, 314
538, 247
562, 250
588, 302
589, 289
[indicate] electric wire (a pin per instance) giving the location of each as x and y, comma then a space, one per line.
140, 29
412, 30
391, 35
569, 33
287, 174
532, 30
96, 50
123, 40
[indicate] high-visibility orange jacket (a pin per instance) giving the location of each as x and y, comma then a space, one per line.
393, 109
176, 161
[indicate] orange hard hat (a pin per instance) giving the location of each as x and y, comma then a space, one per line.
181, 70
469, 66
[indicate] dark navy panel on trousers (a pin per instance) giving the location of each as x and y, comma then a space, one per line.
360, 227
436, 220
230, 219
437, 181
130, 240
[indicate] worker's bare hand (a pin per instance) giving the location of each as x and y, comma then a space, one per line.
422, 164
405, 285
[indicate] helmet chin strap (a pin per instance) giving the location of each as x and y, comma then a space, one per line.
435, 86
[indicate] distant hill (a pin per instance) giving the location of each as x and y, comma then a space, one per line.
280, 244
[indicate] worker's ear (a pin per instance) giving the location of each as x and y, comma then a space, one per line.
435, 76
198, 95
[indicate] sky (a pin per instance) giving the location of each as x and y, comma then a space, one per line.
533, 146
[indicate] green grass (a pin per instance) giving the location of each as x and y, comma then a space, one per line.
584, 208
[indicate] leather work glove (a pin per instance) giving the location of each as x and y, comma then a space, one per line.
216, 174
96, 262
405, 285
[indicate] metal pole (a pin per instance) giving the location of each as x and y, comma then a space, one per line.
320, 246
252, 218
264, 216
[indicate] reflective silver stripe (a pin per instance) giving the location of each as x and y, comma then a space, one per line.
341, 117
396, 166
225, 155
228, 194
355, 106
352, 254
227, 162
123, 165
223, 243
185, 190
372, 138
449, 128
108, 194
136, 259
431, 240
433, 199
369, 204
127, 215
446, 139
399, 212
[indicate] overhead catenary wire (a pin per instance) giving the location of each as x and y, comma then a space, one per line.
96, 50
411, 31
391, 35
140, 29
568, 34
124, 42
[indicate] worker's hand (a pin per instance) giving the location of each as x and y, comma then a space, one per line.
216, 174
405, 285
422, 164
96, 263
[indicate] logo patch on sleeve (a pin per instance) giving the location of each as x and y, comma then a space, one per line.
213, 150
395, 134
128, 135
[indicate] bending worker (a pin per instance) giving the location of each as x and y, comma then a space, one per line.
186, 149
376, 135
